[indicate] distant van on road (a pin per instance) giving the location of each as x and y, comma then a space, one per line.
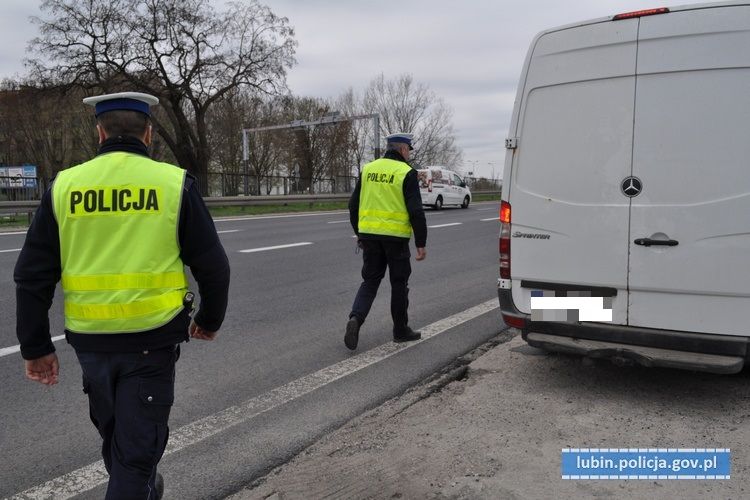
440, 186
627, 178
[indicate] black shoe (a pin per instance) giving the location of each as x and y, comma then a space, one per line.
352, 333
409, 336
159, 486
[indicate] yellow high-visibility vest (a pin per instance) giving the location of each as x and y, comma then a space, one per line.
118, 217
382, 208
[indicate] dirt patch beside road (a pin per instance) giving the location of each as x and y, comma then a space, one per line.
498, 433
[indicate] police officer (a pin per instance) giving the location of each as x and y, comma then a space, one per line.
384, 209
117, 231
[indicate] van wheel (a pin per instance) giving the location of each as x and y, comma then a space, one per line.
439, 203
465, 204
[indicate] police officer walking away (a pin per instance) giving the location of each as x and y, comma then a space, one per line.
118, 231
384, 209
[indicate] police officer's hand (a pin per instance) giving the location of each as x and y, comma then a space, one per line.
43, 370
421, 253
198, 332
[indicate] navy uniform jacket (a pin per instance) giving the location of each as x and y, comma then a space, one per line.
38, 270
413, 199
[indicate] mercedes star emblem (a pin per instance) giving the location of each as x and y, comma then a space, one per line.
631, 186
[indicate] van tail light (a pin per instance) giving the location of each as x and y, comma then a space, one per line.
515, 321
505, 240
640, 13
429, 186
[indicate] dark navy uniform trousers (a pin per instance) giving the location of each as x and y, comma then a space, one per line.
130, 397
377, 255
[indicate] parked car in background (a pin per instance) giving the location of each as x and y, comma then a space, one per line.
440, 186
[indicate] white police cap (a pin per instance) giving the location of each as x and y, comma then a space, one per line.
401, 137
129, 101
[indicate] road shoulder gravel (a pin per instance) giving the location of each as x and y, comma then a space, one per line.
495, 427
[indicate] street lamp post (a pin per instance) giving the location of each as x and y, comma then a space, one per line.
492, 166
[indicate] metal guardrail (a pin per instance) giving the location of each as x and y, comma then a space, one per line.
229, 201
16, 207
29, 206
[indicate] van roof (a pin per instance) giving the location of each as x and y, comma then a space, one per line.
657, 4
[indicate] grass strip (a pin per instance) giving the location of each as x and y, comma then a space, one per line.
280, 208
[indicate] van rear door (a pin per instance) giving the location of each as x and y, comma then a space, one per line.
574, 132
692, 154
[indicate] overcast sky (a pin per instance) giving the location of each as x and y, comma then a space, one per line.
469, 52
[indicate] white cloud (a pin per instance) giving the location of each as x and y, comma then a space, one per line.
15, 31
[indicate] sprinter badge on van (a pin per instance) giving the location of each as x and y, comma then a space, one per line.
531, 236
631, 186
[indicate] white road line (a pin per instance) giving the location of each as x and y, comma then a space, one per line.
485, 209
228, 231
89, 477
13, 232
17, 348
11, 250
262, 217
494, 218
277, 247
337, 221
446, 225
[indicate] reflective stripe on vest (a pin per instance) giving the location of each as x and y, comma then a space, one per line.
131, 310
124, 281
382, 208
121, 269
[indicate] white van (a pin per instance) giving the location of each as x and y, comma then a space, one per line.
627, 176
440, 186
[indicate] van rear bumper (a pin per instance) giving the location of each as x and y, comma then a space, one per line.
631, 354
646, 346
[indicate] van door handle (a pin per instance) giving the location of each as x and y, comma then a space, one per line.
647, 242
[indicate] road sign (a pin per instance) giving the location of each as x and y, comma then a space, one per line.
18, 176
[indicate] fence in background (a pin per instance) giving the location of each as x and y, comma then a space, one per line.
223, 184
20, 188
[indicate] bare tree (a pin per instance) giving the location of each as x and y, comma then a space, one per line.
184, 51
321, 151
337, 156
361, 131
46, 127
224, 122
240, 110
266, 148
407, 106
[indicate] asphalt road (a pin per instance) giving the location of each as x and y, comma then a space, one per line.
278, 376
